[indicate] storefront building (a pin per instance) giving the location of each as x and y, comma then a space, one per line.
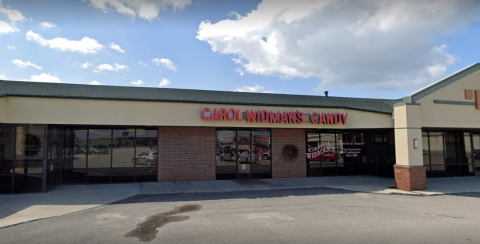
54, 134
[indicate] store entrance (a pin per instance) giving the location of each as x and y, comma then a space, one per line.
243, 154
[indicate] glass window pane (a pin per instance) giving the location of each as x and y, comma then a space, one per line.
261, 154
425, 150
466, 160
437, 156
328, 155
29, 152
99, 158
451, 147
147, 155
313, 148
313, 154
77, 172
123, 154
6, 150
226, 154
476, 151
261, 140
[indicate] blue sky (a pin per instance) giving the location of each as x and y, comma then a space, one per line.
357, 49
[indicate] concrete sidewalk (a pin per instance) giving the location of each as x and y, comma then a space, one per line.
66, 199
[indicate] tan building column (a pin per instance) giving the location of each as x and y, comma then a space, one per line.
410, 174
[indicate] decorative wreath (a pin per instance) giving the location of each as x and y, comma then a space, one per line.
290, 152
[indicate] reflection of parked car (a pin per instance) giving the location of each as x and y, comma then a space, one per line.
476, 153
263, 152
101, 149
147, 157
227, 153
328, 156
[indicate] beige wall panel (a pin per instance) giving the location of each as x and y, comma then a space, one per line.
106, 112
407, 128
2, 110
404, 149
408, 116
452, 116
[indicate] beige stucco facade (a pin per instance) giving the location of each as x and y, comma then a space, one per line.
2, 110
442, 105
436, 115
407, 130
32, 110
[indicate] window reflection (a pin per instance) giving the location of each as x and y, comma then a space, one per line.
437, 155
225, 157
6, 150
99, 157
476, 150
29, 153
147, 155
77, 172
261, 162
426, 152
123, 153
328, 153
466, 160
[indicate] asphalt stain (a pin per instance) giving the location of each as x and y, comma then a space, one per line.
147, 230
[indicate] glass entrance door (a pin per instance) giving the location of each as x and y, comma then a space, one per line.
244, 154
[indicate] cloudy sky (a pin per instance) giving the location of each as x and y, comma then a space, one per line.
358, 48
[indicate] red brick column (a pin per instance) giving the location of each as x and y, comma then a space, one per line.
282, 168
409, 178
186, 153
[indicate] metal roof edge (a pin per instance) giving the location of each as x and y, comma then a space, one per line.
200, 102
435, 86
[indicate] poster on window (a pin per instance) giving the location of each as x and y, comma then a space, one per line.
33, 145
323, 152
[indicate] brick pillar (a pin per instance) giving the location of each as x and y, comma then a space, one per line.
282, 168
186, 153
410, 178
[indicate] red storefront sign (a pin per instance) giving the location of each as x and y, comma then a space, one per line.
275, 117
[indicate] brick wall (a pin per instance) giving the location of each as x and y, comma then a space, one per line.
410, 178
186, 153
282, 168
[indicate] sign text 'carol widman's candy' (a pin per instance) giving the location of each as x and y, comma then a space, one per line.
265, 116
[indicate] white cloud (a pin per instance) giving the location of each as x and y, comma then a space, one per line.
3, 77
7, 28
145, 9
94, 83
137, 83
165, 62
364, 43
47, 25
10, 47
12, 14
142, 64
86, 65
164, 82
44, 78
255, 88
23, 64
85, 46
116, 47
108, 67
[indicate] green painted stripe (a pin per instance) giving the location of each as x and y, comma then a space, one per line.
454, 102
